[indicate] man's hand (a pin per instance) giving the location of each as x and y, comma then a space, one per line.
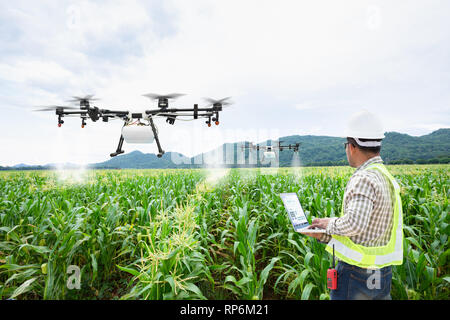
320, 224
314, 235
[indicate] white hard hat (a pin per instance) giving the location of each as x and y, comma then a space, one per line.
365, 125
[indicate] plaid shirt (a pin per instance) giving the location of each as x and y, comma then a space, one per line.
368, 211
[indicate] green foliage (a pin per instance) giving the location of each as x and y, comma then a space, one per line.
175, 234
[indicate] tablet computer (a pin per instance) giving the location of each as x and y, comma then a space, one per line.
296, 214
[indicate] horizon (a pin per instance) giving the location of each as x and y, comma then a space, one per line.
190, 157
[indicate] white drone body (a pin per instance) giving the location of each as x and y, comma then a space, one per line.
269, 155
138, 133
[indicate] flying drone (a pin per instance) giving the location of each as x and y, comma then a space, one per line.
269, 151
139, 127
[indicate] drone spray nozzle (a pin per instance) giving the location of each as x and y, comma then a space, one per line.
60, 121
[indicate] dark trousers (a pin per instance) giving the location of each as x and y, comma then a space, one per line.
355, 283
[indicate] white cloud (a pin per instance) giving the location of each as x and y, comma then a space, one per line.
303, 106
28, 71
422, 128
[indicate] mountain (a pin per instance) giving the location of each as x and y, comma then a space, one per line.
430, 148
397, 148
20, 165
139, 160
314, 150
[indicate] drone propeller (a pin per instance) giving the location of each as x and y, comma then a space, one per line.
163, 100
89, 97
155, 96
54, 108
223, 102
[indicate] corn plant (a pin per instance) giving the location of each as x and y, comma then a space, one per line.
173, 234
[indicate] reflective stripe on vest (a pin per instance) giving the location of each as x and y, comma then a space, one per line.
374, 257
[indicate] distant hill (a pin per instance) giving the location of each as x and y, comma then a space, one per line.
314, 151
139, 160
402, 148
397, 148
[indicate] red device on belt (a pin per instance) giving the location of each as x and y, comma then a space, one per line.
332, 276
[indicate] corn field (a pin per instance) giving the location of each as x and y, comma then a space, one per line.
196, 234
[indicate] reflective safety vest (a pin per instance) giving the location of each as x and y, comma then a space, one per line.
374, 257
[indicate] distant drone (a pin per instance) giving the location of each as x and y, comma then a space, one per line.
269, 151
139, 127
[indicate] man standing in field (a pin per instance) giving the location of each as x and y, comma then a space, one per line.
368, 236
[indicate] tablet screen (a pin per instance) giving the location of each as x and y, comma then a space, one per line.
295, 211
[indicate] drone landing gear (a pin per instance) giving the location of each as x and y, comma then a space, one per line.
119, 148
155, 134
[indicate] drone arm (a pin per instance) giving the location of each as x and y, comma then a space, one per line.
175, 110
68, 113
94, 114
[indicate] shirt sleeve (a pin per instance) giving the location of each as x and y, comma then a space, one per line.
358, 209
325, 238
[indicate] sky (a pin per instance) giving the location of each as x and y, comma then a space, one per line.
291, 68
